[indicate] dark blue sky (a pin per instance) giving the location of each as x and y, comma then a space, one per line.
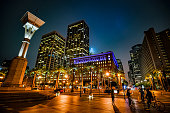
115, 25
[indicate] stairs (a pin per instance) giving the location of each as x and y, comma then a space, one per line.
8, 97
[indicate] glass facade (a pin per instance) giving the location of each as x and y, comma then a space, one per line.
77, 43
134, 64
51, 51
155, 52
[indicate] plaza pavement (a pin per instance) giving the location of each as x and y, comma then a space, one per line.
73, 103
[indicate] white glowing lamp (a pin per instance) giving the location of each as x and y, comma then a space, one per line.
107, 74
31, 23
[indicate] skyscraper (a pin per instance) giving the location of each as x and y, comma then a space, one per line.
77, 43
130, 72
134, 64
51, 51
155, 52
120, 66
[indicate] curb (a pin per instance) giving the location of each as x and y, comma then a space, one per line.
116, 109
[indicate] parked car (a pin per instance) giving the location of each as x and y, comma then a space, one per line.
59, 89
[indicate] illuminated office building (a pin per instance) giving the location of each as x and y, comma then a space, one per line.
77, 43
134, 64
156, 52
120, 68
51, 51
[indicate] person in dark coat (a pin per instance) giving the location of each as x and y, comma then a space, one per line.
128, 95
112, 95
149, 98
84, 90
142, 94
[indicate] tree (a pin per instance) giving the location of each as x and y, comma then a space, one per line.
57, 71
81, 73
158, 75
36, 72
97, 68
71, 71
102, 77
90, 67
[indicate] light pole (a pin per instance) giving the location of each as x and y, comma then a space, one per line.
120, 84
72, 90
107, 74
91, 79
31, 23
80, 90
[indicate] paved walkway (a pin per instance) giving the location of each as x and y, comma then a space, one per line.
73, 104
123, 107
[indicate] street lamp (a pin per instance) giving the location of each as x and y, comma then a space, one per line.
76, 81
119, 74
119, 80
107, 74
66, 76
39, 77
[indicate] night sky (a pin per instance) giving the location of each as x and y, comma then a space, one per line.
115, 25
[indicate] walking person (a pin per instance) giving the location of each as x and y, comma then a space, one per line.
128, 95
113, 96
149, 98
142, 94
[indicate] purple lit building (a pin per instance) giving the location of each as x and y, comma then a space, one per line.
103, 63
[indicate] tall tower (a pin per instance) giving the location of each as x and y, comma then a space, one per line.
155, 52
134, 64
77, 43
51, 51
31, 23
120, 68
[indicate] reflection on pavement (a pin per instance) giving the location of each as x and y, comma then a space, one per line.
73, 104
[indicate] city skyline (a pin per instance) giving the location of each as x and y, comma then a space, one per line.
106, 20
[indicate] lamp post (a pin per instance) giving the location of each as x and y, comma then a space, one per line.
91, 81
107, 74
120, 84
31, 23
80, 90
72, 90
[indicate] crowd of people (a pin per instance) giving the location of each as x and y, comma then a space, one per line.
143, 94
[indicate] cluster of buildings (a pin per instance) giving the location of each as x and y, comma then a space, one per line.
56, 51
150, 57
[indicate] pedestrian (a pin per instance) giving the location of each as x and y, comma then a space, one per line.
149, 98
128, 95
142, 94
112, 95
